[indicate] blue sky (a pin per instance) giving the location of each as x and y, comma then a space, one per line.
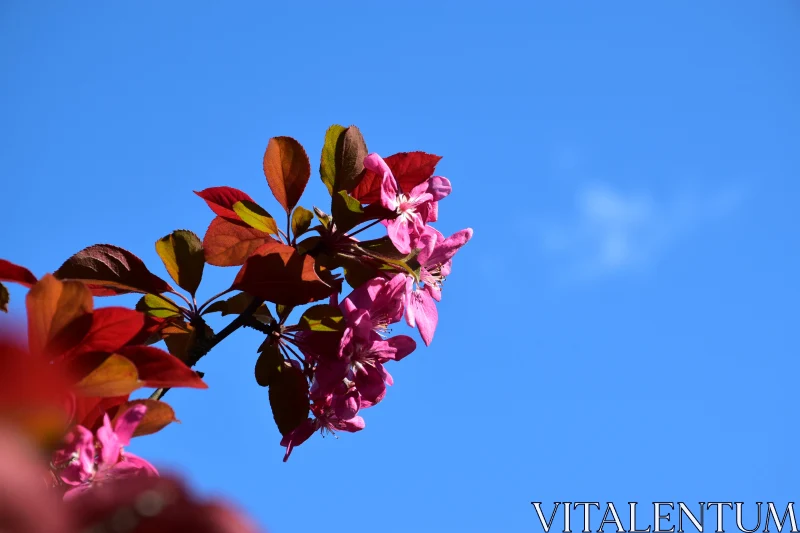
622, 327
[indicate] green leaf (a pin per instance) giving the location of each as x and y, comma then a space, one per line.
383, 246
356, 272
3, 298
255, 216
301, 220
347, 211
269, 363
158, 306
324, 218
322, 318
327, 163
182, 254
388, 254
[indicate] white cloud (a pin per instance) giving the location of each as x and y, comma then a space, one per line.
614, 231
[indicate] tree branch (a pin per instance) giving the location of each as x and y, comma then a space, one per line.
202, 346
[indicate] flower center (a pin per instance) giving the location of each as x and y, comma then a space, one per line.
405, 206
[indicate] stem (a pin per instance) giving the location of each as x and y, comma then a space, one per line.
201, 347
362, 229
184, 298
288, 227
210, 300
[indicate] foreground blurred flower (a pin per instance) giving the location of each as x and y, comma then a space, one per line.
88, 461
132, 505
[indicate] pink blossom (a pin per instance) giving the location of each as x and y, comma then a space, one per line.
435, 259
414, 208
88, 460
369, 310
325, 420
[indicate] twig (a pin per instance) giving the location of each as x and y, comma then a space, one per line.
202, 346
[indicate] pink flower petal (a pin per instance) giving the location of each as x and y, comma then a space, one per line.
297, 437
423, 311
403, 346
399, 234
110, 445
447, 248
438, 187
128, 422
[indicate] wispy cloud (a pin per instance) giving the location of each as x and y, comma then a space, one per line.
612, 230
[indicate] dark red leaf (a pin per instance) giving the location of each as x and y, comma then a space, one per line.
288, 397
158, 368
110, 270
408, 168
269, 362
278, 274
350, 153
18, 274
229, 243
221, 200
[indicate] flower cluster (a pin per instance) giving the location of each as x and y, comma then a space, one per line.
68, 388
349, 375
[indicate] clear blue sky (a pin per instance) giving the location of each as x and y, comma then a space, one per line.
623, 325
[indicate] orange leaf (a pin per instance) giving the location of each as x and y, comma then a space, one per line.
116, 376
158, 416
287, 169
278, 274
229, 244
54, 305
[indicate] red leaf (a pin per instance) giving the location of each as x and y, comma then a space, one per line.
221, 200
287, 169
229, 243
110, 270
278, 274
18, 274
158, 368
89, 411
33, 393
112, 328
409, 169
